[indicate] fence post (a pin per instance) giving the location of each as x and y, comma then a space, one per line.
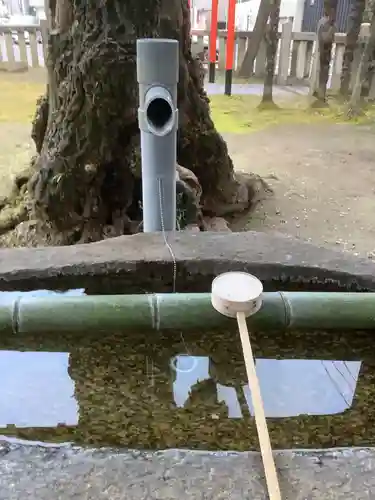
9, 47
314, 78
355, 64
33, 48
44, 32
301, 60
372, 88
222, 50
22, 47
293, 64
285, 44
337, 66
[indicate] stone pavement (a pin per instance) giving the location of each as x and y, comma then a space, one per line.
65, 473
257, 89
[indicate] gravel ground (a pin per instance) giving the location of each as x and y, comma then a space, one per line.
323, 181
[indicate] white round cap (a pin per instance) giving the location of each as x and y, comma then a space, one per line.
236, 292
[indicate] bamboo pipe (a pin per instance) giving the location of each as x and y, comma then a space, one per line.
183, 311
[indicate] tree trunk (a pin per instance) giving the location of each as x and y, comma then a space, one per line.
257, 35
369, 91
87, 176
271, 42
325, 37
354, 107
352, 33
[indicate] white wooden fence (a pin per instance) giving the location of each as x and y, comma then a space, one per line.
295, 53
22, 47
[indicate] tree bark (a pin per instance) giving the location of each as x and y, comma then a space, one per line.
325, 37
257, 35
86, 183
271, 42
354, 107
352, 33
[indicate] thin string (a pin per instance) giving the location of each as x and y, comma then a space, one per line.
167, 244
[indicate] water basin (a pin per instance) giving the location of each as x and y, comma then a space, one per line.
164, 390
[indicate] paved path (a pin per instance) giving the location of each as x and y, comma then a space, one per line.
256, 89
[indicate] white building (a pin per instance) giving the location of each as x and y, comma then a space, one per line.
201, 13
24, 11
38, 9
247, 10
246, 13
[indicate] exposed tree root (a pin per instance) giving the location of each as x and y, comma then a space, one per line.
319, 104
268, 106
353, 112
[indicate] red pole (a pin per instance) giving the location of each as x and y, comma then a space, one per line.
229, 56
213, 38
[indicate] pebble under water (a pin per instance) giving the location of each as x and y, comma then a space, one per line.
165, 390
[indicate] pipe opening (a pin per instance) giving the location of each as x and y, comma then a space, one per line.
159, 113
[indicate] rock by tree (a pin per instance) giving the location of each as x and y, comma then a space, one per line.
85, 178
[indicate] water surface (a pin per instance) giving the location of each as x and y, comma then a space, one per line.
168, 389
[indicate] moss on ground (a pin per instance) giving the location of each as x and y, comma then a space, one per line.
235, 114
240, 114
18, 99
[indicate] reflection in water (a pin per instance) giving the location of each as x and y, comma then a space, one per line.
292, 387
148, 390
36, 390
189, 370
4, 296
228, 396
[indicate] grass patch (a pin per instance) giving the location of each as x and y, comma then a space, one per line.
18, 97
235, 114
240, 114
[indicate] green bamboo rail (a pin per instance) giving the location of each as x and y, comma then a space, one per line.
103, 313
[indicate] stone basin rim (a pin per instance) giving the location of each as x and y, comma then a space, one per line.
8, 445
142, 261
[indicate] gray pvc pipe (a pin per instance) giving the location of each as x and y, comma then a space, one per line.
157, 74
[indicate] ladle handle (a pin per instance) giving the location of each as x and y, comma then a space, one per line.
260, 417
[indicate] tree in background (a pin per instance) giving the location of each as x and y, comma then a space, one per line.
357, 8
271, 38
325, 38
257, 36
365, 69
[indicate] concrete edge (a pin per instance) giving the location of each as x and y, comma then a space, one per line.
143, 261
9, 445
63, 472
